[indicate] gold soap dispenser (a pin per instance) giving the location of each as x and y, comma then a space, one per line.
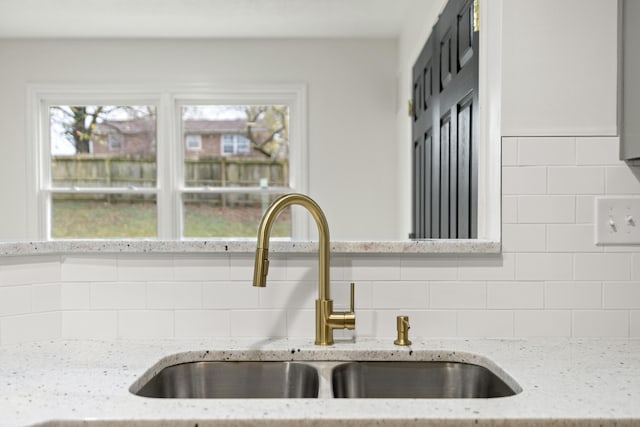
402, 324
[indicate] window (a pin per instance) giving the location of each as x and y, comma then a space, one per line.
193, 142
234, 145
116, 142
168, 164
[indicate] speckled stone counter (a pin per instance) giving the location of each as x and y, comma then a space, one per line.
245, 246
564, 383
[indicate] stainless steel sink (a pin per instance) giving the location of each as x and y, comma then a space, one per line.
416, 380
247, 379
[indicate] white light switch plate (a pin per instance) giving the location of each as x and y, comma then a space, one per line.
617, 220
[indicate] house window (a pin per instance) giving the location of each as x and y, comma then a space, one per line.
116, 141
234, 145
147, 165
193, 142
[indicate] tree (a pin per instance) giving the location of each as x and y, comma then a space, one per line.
267, 127
79, 122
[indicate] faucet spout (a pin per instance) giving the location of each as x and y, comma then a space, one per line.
326, 318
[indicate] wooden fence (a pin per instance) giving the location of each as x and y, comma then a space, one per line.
90, 171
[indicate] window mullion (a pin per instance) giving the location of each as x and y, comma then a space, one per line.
167, 227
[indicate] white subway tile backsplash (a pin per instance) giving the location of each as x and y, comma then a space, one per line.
485, 323
90, 325
573, 295
634, 324
235, 295
429, 268
571, 238
146, 324
432, 323
635, 266
622, 180
45, 298
490, 267
585, 209
15, 300
29, 270
89, 268
259, 323
302, 323
284, 295
302, 268
597, 151
546, 209
547, 151
202, 323
106, 296
458, 295
365, 323
513, 295
621, 295
394, 295
200, 268
383, 324
524, 180
137, 268
509, 209
75, 296
576, 180
373, 269
604, 266
509, 151
542, 323
601, 323
30, 327
544, 266
174, 295
524, 238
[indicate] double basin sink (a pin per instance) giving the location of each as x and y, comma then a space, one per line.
354, 379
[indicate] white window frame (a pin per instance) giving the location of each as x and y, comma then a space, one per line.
168, 100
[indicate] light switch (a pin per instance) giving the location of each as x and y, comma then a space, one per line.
617, 220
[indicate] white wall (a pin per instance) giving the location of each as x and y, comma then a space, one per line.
560, 68
351, 95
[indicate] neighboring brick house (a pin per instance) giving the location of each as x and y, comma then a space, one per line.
125, 137
202, 138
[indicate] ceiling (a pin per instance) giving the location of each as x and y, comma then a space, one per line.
203, 18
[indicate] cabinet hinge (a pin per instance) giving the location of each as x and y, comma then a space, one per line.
410, 110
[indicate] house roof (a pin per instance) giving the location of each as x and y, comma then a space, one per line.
190, 126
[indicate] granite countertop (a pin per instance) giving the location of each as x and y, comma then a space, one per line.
594, 382
55, 247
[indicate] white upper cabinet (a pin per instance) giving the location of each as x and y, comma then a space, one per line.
559, 68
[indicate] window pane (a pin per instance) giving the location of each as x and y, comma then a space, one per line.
95, 216
242, 145
230, 215
103, 145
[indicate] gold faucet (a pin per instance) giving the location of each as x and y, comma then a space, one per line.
326, 319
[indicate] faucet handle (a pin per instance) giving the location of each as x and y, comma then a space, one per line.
352, 305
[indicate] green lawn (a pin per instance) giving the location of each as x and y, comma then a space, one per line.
97, 219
